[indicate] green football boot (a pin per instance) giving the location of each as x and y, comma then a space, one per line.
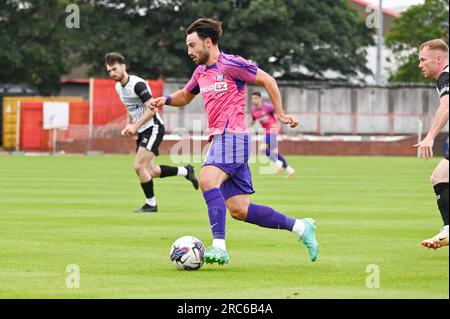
216, 255
309, 238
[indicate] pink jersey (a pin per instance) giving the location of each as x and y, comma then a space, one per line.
222, 86
266, 116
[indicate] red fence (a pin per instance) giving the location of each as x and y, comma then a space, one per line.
107, 105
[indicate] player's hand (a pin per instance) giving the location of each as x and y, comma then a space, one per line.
158, 102
288, 119
425, 148
129, 130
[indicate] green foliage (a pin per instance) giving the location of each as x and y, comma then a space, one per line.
34, 43
317, 35
281, 36
418, 24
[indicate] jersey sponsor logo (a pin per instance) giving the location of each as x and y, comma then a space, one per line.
216, 87
443, 90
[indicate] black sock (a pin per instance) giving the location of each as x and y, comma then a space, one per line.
441, 191
148, 189
167, 171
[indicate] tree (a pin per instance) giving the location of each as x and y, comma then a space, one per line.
34, 43
285, 37
279, 35
418, 24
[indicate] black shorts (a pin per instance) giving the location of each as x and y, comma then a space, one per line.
151, 138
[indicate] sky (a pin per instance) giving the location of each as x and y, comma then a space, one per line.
397, 3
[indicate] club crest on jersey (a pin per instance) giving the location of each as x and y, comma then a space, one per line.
220, 77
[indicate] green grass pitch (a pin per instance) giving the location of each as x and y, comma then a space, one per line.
62, 210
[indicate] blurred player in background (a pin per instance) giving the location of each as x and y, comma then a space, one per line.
136, 95
433, 56
225, 177
266, 115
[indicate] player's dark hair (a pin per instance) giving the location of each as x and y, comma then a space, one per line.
257, 93
206, 28
112, 58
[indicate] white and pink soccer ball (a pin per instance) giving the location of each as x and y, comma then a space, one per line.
187, 253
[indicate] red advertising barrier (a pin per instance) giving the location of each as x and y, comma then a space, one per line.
106, 103
79, 113
33, 137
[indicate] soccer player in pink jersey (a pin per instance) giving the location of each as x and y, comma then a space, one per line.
225, 177
266, 115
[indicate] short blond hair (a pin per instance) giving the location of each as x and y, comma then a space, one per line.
436, 44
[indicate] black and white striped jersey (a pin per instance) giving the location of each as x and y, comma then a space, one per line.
134, 94
442, 83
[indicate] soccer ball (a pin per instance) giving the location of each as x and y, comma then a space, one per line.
187, 253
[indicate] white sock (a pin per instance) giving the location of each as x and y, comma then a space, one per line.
219, 243
299, 227
445, 229
151, 201
290, 170
182, 171
278, 164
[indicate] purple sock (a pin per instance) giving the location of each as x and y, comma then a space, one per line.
282, 159
217, 211
267, 217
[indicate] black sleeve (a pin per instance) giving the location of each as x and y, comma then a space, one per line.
442, 84
141, 90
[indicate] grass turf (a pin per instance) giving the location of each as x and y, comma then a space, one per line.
57, 211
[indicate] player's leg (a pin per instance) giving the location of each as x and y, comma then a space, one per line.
143, 157
440, 182
242, 209
273, 153
269, 149
162, 171
210, 179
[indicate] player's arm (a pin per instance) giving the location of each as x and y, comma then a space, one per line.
125, 131
270, 85
178, 98
440, 118
439, 121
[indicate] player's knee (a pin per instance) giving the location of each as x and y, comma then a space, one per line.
238, 210
139, 167
437, 178
238, 213
205, 184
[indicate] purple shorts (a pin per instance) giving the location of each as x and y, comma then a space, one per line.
230, 152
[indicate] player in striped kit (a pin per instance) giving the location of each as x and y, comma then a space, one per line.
136, 95
433, 56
